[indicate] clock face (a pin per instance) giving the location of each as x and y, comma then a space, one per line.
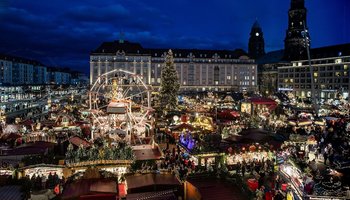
257, 34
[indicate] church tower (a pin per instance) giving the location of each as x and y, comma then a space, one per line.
256, 46
294, 43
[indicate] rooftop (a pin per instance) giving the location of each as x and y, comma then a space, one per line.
136, 48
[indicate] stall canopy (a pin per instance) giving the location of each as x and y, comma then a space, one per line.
271, 104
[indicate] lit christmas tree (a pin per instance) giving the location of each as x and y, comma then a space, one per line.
169, 86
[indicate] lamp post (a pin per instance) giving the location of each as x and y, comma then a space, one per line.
307, 45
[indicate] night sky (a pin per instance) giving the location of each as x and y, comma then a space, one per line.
63, 32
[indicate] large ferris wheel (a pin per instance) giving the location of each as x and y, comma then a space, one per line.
119, 102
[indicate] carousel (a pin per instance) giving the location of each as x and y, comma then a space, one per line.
119, 104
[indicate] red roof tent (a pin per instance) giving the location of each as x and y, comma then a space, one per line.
228, 114
271, 104
77, 141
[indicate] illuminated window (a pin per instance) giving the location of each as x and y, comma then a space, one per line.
228, 77
315, 74
345, 67
338, 60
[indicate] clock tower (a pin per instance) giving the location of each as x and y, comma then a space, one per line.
294, 43
256, 46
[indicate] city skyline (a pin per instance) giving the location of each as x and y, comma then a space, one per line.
63, 33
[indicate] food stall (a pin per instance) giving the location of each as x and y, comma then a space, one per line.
248, 156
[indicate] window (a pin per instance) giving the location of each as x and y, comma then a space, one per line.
216, 73
338, 60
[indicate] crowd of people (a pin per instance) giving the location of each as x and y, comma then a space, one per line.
41, 182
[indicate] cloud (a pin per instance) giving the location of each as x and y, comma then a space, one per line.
64, 32
88, 13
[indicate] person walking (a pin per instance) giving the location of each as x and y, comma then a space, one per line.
325, 155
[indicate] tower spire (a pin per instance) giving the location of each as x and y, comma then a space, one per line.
294, 44
256, 46
121, 37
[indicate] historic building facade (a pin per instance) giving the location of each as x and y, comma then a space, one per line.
198, 70
295, 43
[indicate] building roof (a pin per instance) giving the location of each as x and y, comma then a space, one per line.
19, 59
271, 57
136, 48
331, 51
315, 53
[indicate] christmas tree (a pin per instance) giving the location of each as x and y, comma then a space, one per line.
169, 85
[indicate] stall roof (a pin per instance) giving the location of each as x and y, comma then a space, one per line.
168, 194
89, 187
147, 154
139, 181
262, 100
30, 148
42, 165
182, 126
77, 141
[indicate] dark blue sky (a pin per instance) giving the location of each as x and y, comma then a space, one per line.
63, 32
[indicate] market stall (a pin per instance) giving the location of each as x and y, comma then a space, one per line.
294, 177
